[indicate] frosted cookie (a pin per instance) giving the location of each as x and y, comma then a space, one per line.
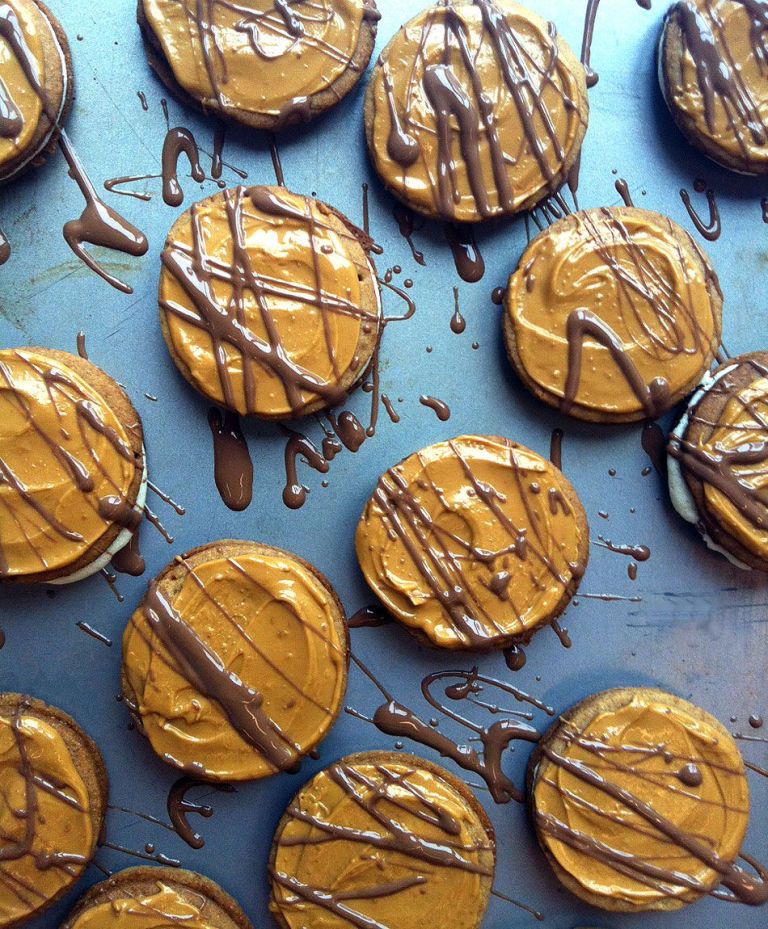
264, 63
269, 303
382, 839
473, 543
640, 802
72, 467
613, 315
244, 648
713, 69
54, 788
36, 85
718, 461
475, 109
146, 898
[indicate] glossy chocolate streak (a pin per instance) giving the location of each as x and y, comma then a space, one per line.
179, 141
717, 73
654, 443
589, 30
638, 552
233, 468
622, 189
369, 617
129, 559
764, 208
711, 229
5, 248
469, 262
406, 224
205, 671
439, 407
94, 633
98, 224
458, 323
556, 448
10, 118
744, 887
113, 185
179, 808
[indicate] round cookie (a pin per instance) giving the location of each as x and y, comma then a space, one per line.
269, 302
473, 543
712, 71
72, 467
613, 315
475, 109
718, 461
235, 662
382, 839
264, 63
640, 802
36, 85
54, 789
146, 897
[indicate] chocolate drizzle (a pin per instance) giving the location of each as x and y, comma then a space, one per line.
469, 262
180, 808
233, 467
711, 229
94, 633
180, 141
369, 617
439, 407
589, 30
458, 323
406, 224
5, 248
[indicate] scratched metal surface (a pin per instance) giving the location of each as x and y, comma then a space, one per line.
699, 629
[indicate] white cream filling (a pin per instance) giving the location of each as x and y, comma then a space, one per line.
56, 127
123, 538
681, 497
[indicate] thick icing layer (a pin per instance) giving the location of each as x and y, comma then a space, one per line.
45, 814
645, 803
166, 907
258, 56
730, 454
473, 542
69, 470
377, 843
264, 293
721, 92
475, 108
242, 670
614, 311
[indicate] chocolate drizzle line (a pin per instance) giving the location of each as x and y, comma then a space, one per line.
396, 719
711, 229
368, 617
466, 255
94, 633
458, 323
179, 141
439, 407
637, 552
622, 189
718, 74
406, 224
12, 849
233, 467
589, 30
5, 248
180, 808
739, 885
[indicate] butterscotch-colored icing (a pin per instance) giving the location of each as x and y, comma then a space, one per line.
664, 755
719, 85
613, 312
475, 109
242, 669
269, 301
258, 56
25, 33
168, 906
374, 841
45, 814
67, 466
473, 542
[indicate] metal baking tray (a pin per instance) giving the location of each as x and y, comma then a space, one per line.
690, 623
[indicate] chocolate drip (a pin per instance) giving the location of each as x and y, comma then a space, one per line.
179, 141
5, 248
369, 617
497, 295
556, 448
179, 808
711, 229
458, 323
206, 672
764, 208
586, 44
654, 443
129, 559
405, 223
98, 224
439, 407
391, 411
233, 468
157, 857
81, 350
622, 189
515, 657
94, 633
294, 492
143, 100
113, 185
637, 552
11, 120
401, 146
466, 255
277, 164
717, 73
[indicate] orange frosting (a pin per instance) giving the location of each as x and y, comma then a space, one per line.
265, 617
435, 852
473, 542
166, 907
645, 282
684, 766
510, 136
257, 56
45, 815
289, 329
64, 457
